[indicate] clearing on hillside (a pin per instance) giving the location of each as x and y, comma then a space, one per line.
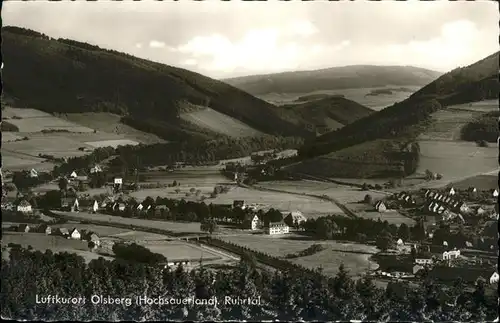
110, 123
31, 120
218, 122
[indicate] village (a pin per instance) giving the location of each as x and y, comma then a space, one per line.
454, 234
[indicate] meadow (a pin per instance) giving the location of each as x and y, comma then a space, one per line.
457, 160
32, 120
174, 250
391, 216
309, 206
218, 122
481, 182
110, 123
328, 259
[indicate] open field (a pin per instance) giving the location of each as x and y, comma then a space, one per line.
102, 231
24, 154
10, 136
163, 225
32, 120
456, 160
447, 123
377, 102
215, 121
309, 206
180, 250
42, 242
112, 143
335, 254
15, 161
391, 216
481, 182
110, 123
342, 193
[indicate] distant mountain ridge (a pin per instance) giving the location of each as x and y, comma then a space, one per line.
335, 78
61, 75
403, 120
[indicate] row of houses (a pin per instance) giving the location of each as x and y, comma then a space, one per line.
63, 232
294, 218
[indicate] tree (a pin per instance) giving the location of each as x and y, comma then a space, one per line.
428, 175
192, 190
368, 199
209, 225
404, 232
63, 183
384, 241
174, 183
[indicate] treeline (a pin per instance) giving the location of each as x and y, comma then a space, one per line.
192, 152
395, 121
200, 152
289, 295
484, 128
7, 126
137, 253
359, 229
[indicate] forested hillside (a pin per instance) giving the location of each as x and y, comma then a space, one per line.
60, 75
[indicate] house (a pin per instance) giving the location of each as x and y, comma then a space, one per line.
494, 278
239, 204
278, 228
480, 211
62, 232
95, 169
400, 242
451, 191
70, 204
453, 254
294, 218
82, 178
23, 206
380, 207
495, 193
468, 244
73, 175
23, 228
255, 223
91, 236
74, 234
33, 173
423, 260
106, 202
44, 228
118, 181
417, 268
139, 207
88, 205
119, 207
463, 207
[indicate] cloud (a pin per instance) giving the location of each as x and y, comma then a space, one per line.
138, 45
156, 44
303, 28
456, 45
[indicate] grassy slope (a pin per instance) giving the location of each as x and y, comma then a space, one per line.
357, 76
405, 120
67, 76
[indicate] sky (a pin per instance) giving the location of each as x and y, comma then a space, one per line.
228, 39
